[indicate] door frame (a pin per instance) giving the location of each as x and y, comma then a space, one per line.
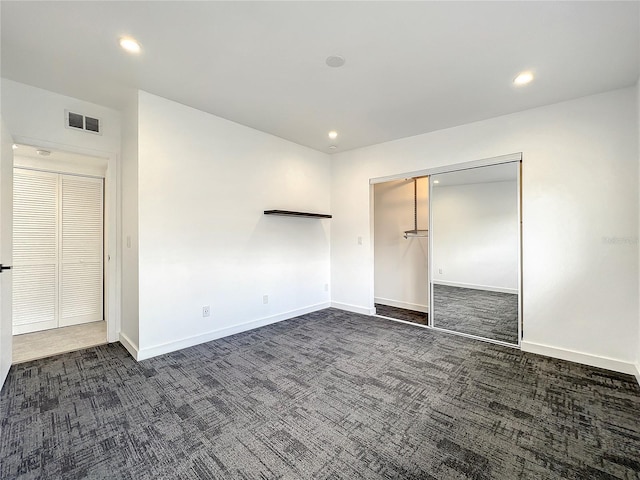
6, 238
112, 208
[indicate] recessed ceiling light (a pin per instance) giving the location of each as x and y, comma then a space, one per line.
333, 134
436, 181
335, 61
523, 78
130, 45
43, 153
14, 146
332, 147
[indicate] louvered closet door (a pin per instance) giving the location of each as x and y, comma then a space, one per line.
81, 277
35, 251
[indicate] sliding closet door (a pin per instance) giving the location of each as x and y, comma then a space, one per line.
35, 251
81, 285
475, 252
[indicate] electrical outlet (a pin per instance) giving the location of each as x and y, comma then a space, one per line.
206, 311
265, 299
326, 287
359, 240
439, 270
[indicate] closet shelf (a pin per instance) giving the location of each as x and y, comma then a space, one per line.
288, 213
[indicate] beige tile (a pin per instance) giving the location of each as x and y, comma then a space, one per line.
31, 346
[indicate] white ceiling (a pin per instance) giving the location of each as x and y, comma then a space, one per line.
411, 67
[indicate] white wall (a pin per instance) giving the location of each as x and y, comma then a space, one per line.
580, 203
35, 114
36, 117
203, 183
129, 324
475, 235
401, 264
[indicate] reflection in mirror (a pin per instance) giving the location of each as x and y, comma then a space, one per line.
475, 252
401, 219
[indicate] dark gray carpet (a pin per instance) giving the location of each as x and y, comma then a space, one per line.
492, 315
402, 314
330, 395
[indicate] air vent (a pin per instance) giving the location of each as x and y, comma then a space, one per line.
78, 121
92, 124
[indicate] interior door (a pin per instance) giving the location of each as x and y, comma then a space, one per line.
6, 226
82, 250
35, 252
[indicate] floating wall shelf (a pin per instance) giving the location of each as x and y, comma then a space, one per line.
287, 213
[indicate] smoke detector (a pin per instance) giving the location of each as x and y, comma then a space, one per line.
335, 61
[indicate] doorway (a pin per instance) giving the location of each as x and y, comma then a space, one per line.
401, 219
58, 242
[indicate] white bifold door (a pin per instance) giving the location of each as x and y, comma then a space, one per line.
58, 250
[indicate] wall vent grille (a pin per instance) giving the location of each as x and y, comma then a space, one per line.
78, 121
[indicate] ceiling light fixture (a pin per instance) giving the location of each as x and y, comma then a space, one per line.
332, 147
333, 134
436, 181
130, 45
14, 146
335, 61
523, 78
43, 153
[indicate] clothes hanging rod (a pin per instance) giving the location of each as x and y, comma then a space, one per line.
416, 233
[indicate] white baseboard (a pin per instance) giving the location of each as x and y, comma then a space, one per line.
637, 372
473, 286
161, 349
580, 357
131, 347
353, 308
406, 305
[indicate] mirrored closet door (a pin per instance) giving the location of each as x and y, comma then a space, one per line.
475, 252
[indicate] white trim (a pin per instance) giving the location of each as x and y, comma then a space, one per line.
353, 308
520, 290
149, 352
406, 305
93, 166
484, 162
430, 264
476, 287
580, 357
131, 347
637, 372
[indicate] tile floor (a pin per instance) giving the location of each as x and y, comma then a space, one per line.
31, 346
